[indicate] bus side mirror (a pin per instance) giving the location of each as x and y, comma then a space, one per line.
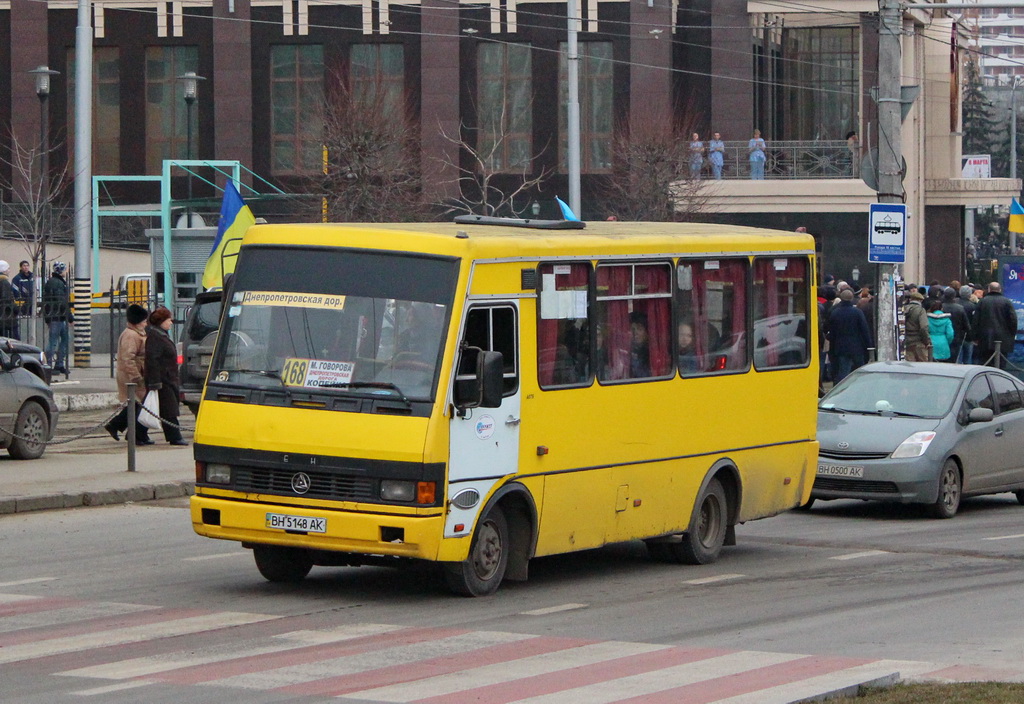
479, 380
491, 372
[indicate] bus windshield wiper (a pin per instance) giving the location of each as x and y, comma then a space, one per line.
370, 385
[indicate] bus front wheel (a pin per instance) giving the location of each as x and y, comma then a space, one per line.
278, 564
482, 572
703, 542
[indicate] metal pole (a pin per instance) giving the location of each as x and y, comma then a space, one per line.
188, 157
83, 185
1013, 149
573, 85
890, 181
129, 433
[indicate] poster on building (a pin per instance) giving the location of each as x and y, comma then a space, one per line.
976, 166
1011, 276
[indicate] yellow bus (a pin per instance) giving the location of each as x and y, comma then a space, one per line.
480, 393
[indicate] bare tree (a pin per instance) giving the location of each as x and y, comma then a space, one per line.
372, 172
486, 183
651, 176
37, 213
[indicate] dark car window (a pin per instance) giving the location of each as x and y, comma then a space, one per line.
1006, 393
204, 319
978, 395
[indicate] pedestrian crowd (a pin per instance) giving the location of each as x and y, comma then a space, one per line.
17, 295
715, 155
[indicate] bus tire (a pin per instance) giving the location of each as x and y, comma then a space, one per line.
703, 542
278, 564
481, 573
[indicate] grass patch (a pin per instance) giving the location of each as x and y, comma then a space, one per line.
959, 693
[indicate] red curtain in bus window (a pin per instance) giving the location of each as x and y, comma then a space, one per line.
563, 344
738, 350
721, 347
652, 280
767, 279
614, 337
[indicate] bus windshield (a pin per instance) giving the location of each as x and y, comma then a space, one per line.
337, 321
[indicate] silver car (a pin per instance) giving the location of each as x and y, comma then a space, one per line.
28, 414
925, 433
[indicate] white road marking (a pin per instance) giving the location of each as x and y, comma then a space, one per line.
34, 580
998, 537
12, 598
858, 555
112, 688
203, 558
131, 634
69, 614
716, 578
553, 609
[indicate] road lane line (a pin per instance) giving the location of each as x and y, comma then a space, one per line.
109, 689
998, 537
34, 580
716, 578
553, 609
202, 558
858, 555
11, 598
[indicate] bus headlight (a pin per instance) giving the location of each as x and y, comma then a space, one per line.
394, 490
218, 473
914, 446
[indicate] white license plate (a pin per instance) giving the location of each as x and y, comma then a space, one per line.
306, 524
840, 470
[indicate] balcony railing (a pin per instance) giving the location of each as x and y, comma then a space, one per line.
790, 160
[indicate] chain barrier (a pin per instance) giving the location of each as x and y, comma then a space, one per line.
142, 409
91, 429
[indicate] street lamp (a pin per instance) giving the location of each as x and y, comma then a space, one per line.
190, 87
42, 75
535, 208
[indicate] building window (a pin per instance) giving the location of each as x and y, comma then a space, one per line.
596, 103
106, 109
166, 131
505, 106
821, 83
377, 75
296, 97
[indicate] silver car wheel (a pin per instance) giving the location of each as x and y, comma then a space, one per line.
948, 501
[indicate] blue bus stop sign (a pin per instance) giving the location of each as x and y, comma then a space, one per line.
887, 233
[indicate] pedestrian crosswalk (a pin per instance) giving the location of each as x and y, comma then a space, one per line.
99, 649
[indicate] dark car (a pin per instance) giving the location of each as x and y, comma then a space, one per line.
196, 346
31, 357
28, 414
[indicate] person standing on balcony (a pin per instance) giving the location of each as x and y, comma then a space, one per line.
696, 155
716, 155
756, 147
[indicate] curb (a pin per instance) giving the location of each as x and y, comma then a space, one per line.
853, 690
144, 492
86, 402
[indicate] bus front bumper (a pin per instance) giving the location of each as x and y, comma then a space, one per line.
338, 531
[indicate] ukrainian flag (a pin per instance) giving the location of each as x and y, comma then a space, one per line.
1016, 216
235, 219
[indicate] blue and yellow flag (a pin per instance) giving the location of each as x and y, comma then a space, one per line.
567, 213
1016, 216
235, 219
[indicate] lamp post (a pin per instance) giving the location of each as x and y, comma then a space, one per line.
42, 75
1013, 148
190, 88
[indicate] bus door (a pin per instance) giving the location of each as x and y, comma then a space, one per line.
484, 442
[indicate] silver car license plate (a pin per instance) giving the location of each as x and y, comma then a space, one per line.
306, 524
840, 470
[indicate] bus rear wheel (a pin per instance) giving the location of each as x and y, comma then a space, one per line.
482, 572
702, 543
278, 564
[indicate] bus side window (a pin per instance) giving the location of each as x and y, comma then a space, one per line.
563, 329
634, 314
711, 310
781, 301
494, 328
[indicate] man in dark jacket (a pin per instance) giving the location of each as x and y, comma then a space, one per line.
961, 325
57, 314
970, 306
995, 321
24, 283
848, 336
8, 309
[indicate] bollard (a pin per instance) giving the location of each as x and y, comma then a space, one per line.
872, 354
998, 356
129, 434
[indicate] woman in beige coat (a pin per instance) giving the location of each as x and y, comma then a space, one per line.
131, 358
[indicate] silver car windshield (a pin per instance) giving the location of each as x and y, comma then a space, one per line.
920, 395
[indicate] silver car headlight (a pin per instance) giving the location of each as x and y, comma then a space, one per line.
914, 446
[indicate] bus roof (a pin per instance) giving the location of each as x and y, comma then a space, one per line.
491, 242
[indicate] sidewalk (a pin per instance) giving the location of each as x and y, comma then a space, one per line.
93, 470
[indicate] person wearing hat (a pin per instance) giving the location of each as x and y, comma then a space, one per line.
917, 340
24, 283
57, 314
8, 312
131, 361
162, 371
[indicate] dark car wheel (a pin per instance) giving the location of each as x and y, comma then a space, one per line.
703, 542
482, 572
279, 564
948, 502
32, 429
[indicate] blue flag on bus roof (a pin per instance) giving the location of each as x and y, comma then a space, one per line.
567, 213
235, 219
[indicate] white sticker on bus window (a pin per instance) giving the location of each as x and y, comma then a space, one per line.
561, 305
579, 304
563, 269
711, 264
288, 299
781, 264
312, 373
685, 276
237, 298
234, 311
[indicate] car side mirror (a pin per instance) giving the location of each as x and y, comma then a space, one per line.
980, 415
13, 362
479, 380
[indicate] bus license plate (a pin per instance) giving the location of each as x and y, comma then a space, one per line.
306, 524
840, 470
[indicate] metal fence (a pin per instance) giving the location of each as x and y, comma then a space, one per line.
790, 160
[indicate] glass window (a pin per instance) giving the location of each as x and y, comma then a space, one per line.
596, 106
377, 73
781, 323
296, 97
563, 330
505, 105
493, 328
820, 83
1006, 393
166, 130
106, 107
921, 395
712, 316
978, 396
634, 321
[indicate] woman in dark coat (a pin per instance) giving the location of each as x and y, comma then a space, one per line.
162, 371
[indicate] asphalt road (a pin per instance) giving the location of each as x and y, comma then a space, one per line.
847, 579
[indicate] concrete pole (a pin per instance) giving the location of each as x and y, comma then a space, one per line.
890, 157
573, 84
1013, 127
83, 185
